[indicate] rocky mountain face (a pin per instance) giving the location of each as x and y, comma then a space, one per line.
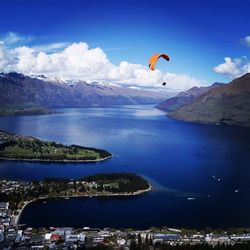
228, 104
185, 97
17, 88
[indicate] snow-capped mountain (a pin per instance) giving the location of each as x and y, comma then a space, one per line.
17, 88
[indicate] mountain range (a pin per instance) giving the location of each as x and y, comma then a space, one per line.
227, 104
16, 89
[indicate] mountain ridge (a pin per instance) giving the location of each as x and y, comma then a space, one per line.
226, 105
185, 97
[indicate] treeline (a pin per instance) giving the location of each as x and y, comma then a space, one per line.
112, 176
103, 153
111, 182
127, 182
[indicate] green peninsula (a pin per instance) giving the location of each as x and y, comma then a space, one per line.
27, 148
18, 193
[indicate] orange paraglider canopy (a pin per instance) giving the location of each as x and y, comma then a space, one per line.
154, 58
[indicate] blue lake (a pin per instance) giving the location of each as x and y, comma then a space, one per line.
179, 159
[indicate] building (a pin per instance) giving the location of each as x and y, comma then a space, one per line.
165, 237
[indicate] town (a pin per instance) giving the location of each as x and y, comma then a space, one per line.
17, 236
13, 236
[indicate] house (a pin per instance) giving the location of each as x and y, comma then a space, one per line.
55, 237
37, 247
97, 239
174, 230
6, 222
1, 236
105, 233
18, 238
4, 205
121, 242
73, 238
47, 236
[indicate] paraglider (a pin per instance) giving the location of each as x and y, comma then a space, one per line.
154, 58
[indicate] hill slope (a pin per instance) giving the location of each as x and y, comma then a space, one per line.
228, 104
184, 97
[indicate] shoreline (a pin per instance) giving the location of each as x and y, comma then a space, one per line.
139, 192
209, 123
17, 217
58, 161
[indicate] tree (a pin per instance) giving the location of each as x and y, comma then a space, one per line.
139, 239
150, 241
133, 245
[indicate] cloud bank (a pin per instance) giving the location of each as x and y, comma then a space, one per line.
79, 61
233, 67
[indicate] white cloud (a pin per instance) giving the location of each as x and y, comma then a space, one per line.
12, 38
7, 58
50, 47
246, 41
173, 80
233, 67
78, 61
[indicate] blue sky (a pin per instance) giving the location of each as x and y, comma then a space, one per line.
196, 34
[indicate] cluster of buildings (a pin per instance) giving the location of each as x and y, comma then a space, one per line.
14, 236
19, 237
5, 218
8, 187
5, 214
198, 238
73, 187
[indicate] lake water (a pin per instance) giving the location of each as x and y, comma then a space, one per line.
179, 159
